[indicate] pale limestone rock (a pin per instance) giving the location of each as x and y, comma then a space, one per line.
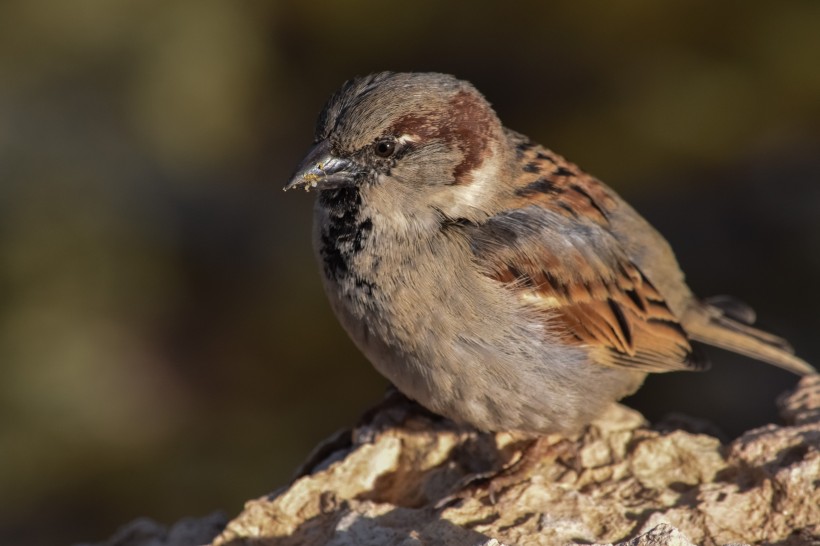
617, 482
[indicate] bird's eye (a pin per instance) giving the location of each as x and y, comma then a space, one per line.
384, 148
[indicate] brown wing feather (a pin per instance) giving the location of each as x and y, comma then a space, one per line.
570, 266
553, 182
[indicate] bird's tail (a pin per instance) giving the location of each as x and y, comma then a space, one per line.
725, 323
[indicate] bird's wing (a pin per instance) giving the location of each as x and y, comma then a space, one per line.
588, 290
553, 249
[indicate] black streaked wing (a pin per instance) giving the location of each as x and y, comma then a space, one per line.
576, 271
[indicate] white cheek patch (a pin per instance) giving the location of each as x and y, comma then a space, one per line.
482, 179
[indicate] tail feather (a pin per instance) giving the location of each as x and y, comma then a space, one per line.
710, 325
732, 308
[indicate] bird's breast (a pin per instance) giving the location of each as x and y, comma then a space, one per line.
384, 267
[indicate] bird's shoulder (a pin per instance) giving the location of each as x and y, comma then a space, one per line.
552, 245
546, 179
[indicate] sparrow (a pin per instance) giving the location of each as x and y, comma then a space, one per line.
488, 278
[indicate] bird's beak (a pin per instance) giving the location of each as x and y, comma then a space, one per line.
321, 169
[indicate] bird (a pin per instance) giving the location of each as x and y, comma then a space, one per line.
488, 278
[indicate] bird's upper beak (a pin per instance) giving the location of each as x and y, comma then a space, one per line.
321, 169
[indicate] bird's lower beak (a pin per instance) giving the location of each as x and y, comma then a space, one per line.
321, 169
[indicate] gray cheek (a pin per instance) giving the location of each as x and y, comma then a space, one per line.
433, 165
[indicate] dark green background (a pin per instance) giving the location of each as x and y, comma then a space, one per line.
165, 347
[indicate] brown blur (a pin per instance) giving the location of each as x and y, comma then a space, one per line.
165, 346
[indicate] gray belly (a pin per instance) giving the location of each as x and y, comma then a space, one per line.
460, 345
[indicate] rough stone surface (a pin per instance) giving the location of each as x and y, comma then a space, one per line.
186, 532
391, 481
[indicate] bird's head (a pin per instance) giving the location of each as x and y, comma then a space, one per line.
420, 134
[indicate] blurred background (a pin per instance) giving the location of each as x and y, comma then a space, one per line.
165, 346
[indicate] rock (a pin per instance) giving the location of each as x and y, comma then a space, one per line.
186, 532
661, 535
391, 480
